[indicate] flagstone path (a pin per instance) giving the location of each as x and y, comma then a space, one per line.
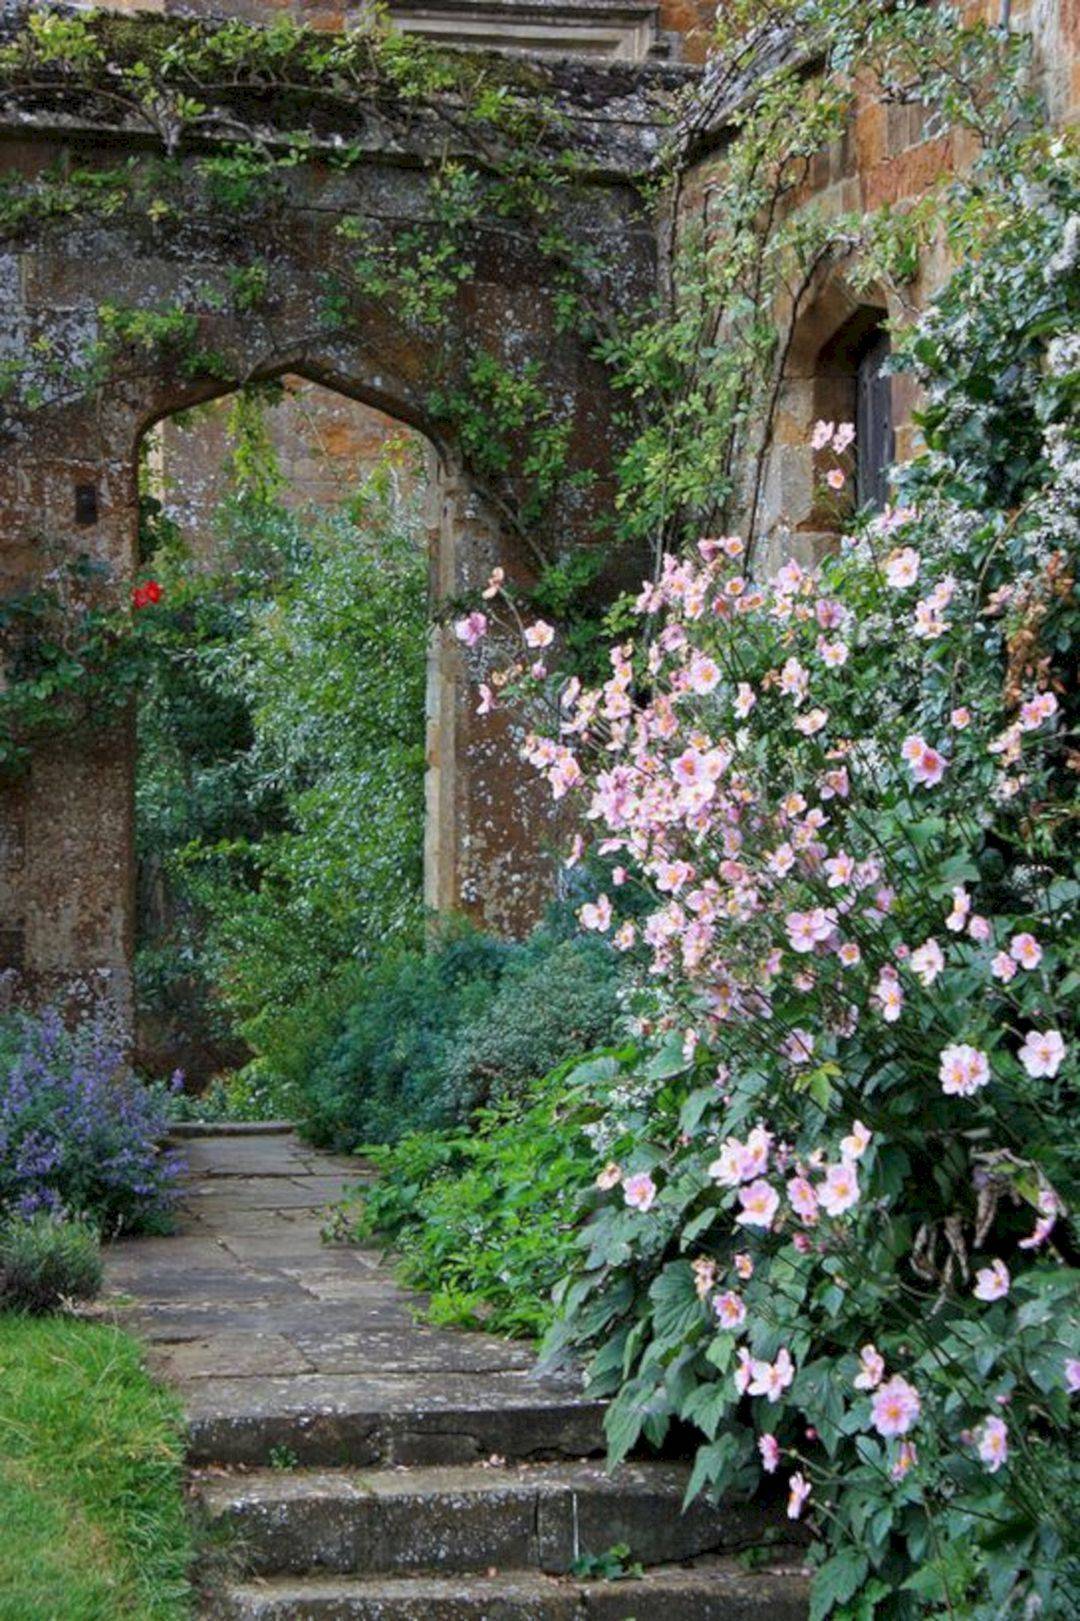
365, 1466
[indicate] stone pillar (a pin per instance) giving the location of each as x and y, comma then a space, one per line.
490, 828
79, 871
66, 820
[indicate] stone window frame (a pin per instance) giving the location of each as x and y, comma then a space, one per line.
839, 380
830, 339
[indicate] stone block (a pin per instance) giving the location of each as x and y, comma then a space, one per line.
390, 1418
241, 1355
710, 1591
585, 1508
517, 1596
471, 1519
381, 1523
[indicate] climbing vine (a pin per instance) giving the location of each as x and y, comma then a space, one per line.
750, 246
233, 111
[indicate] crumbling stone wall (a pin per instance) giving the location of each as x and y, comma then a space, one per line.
618, 30
66, 860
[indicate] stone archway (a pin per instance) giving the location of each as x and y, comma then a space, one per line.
67, 489
486, 816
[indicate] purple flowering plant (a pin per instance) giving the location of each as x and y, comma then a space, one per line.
79, 1133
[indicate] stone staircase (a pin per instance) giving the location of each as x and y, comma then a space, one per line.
352, 1463
490, 1541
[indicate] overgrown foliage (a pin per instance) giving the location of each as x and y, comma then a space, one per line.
378, 1066
750, 248
426, 1037
280, 791
484, 1216
47, 1261
828, 1219
555, 997
501, 162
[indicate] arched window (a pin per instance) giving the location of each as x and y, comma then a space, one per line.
836, 372
850, 385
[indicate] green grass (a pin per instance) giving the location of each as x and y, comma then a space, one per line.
91, 1502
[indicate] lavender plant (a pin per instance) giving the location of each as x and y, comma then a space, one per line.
79, 1134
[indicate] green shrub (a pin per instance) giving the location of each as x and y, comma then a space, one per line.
427, 1037
385, 1071
556, 998
485, 1217
253, 1092
46, 1259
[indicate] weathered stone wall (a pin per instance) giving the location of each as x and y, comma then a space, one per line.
889, 155
618, 30
324, 446
66, 850
66, 860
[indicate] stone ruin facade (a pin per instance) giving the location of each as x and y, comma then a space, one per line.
68, 481
606, 30
67, 468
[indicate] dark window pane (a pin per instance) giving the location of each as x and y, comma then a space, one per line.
86, 504
874, 439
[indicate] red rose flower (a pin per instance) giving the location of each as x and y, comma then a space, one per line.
143, 595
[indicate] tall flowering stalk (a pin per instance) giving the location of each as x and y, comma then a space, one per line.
833, 1229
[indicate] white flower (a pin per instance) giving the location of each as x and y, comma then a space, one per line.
730, 1309
963, 1069
902, 567
798, 1491
992, 1282
927, 961
871, 1368
760, 1203
840, 1190
1026, 950
771, 1379
993, 1443
1042, 1052
855, 1146
639, 1191
539, 635
596, 915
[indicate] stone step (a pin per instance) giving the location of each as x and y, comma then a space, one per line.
414, 1419
231, 1128
711, 1590
452, 1520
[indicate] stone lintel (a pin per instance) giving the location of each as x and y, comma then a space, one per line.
614, 110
